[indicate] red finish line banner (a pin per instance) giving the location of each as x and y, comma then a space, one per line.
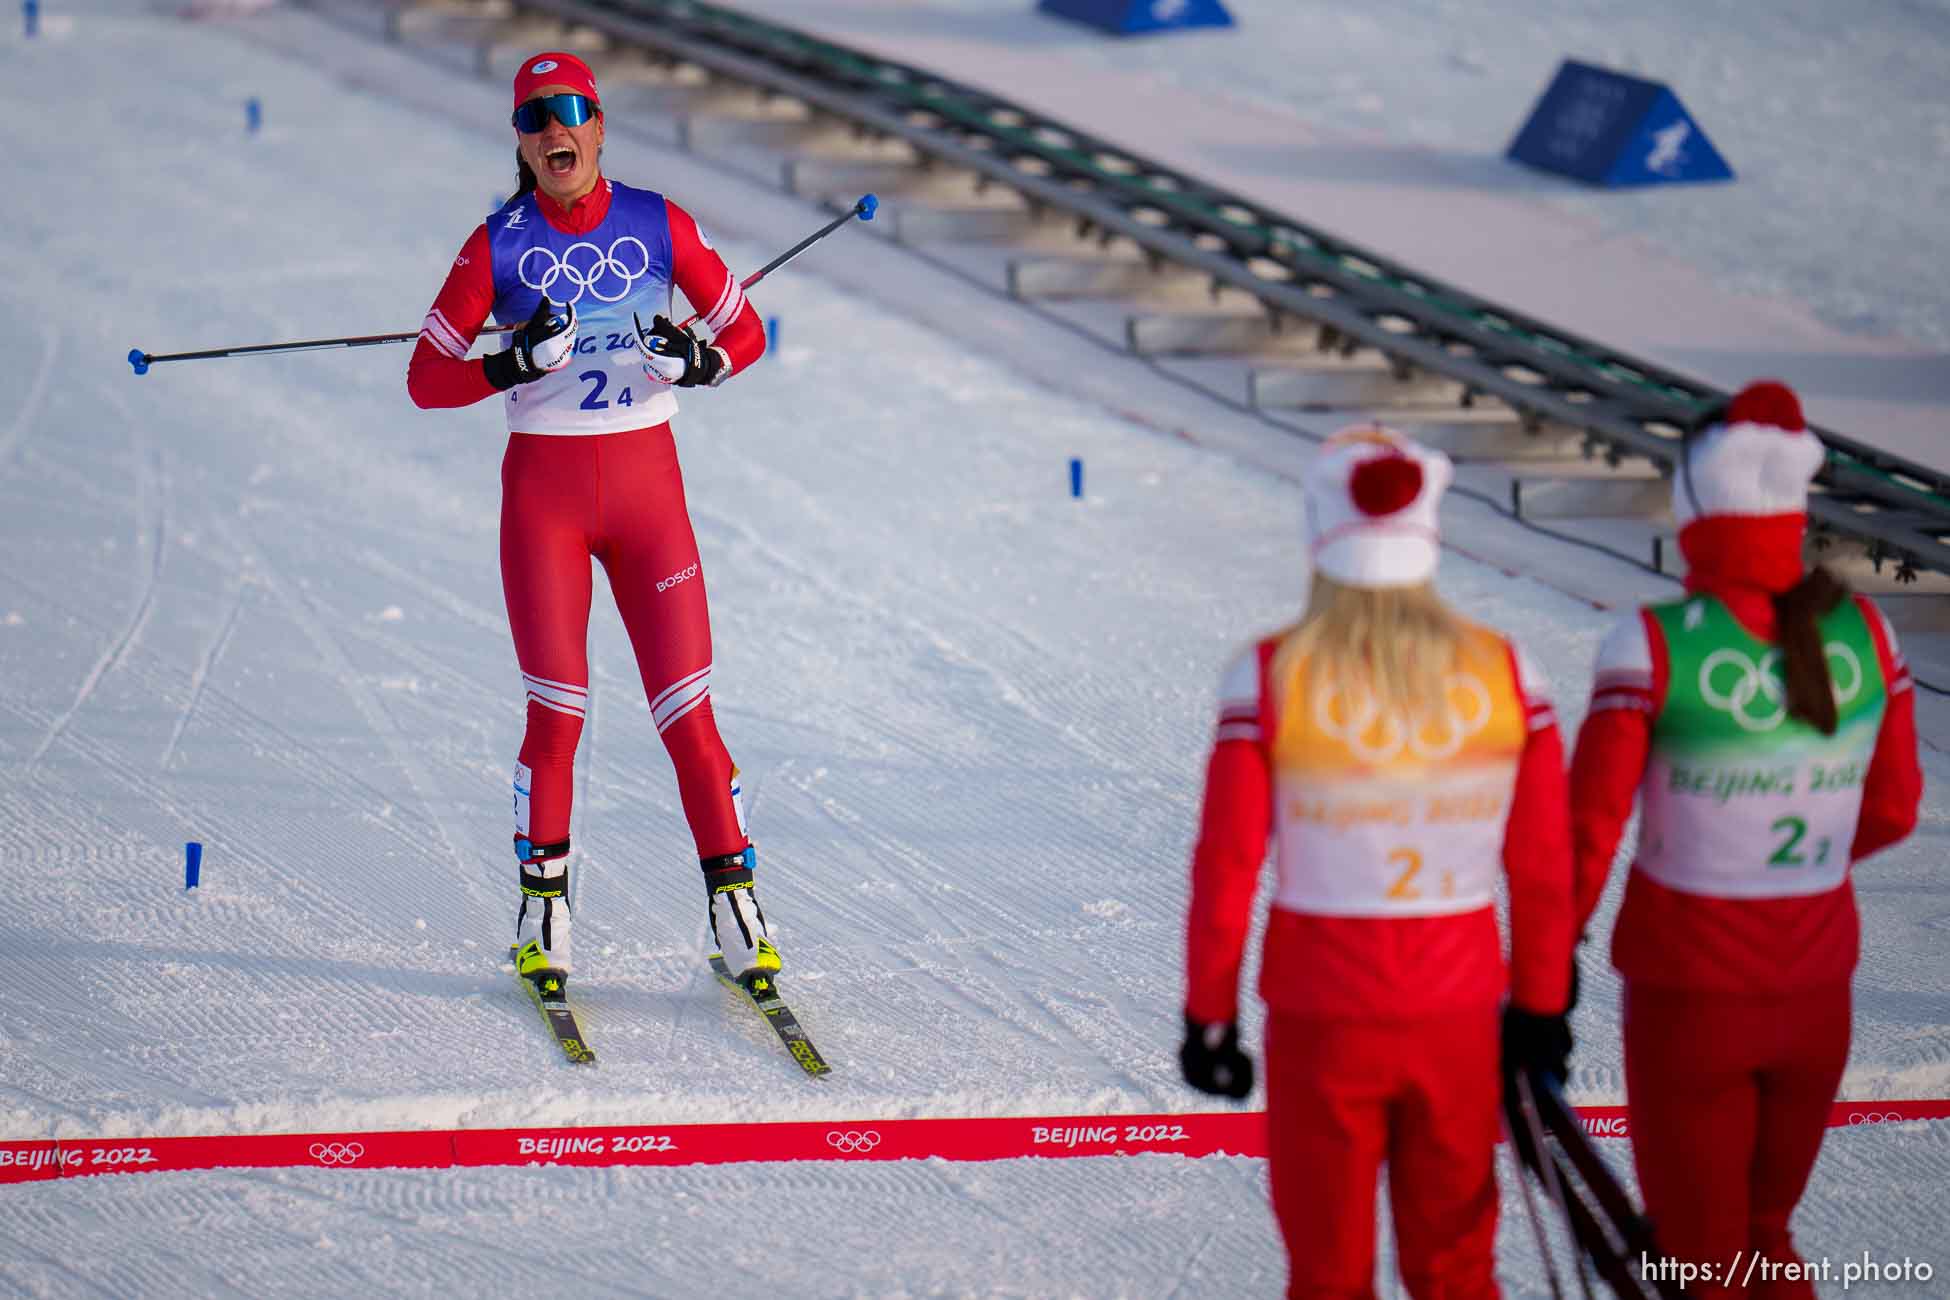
1240, 1133
1615, 1122
79, 1157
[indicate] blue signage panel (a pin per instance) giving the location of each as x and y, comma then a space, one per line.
1129, 17
1611, 129
1668, 146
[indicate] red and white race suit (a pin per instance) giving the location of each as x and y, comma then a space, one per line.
1737, 947
591, 471
1383, 972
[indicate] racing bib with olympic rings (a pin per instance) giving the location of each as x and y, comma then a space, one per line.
1741, 800
1380, 814
621, 267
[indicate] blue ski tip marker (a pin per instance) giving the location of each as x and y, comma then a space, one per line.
192, 864
867, 206
140, 360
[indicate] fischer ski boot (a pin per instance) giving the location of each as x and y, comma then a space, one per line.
738, 934
541, 949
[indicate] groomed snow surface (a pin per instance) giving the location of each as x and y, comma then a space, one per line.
255, 603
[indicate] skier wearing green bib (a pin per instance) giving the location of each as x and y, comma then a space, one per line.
1764, 724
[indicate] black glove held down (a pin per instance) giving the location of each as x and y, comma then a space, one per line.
1212, 1062
1534, 1042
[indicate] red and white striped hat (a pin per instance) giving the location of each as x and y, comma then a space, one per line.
1372, 501
1756, 459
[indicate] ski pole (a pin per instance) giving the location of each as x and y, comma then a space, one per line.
1537, 1226
1547, 1166
1547, 1170
863, 209
140, 361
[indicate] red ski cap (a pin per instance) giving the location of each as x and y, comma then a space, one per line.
554, 68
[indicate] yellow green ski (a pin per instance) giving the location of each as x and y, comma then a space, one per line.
761, 989
547, 989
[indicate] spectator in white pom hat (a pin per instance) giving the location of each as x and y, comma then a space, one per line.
1764, 725
1399, 757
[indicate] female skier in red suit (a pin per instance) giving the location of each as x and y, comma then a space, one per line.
1401, 758
1765, 725
574, 260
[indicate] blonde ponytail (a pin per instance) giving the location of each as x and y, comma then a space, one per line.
1397, 644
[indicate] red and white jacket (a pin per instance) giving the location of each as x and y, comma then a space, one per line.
440, 373
1731, 945
1390, 836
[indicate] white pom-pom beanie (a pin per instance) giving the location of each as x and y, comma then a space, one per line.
1372, 499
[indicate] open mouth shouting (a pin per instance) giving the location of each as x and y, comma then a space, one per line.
559, 132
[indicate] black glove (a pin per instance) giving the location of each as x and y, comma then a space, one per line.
1212, 1062
677, 356
545, 343
1534, 1042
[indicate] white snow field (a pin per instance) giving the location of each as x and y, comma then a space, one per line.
255, 603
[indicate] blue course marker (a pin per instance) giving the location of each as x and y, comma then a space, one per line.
253, 114
192, 864
772, 333
1076, 478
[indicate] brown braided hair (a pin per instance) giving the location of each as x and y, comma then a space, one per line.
1798, 612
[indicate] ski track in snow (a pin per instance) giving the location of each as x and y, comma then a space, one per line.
152, 522
202, 673
970, 715
304, 610
30, 405
237, 720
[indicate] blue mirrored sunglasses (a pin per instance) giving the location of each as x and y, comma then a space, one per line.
569, 110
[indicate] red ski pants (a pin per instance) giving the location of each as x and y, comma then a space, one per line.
1343, 1098
619, 498
1729, 1099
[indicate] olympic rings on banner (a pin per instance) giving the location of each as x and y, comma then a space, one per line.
1877, 1117
1762, 680
1352, 716
851, 1143
336, 1153
596, 272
